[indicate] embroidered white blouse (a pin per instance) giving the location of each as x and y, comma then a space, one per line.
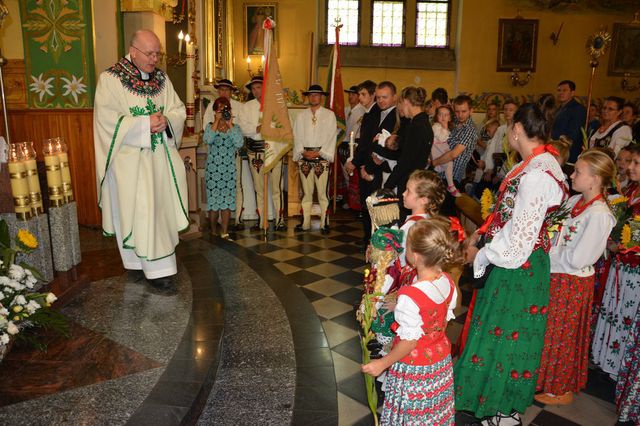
582, 239
407, 313
538, 191
405, 228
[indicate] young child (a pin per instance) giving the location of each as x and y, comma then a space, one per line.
441, 131
621, 296
420, 378
623, 160
582, 240
424, 196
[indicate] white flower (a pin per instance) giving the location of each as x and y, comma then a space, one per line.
51, 298
4, 339
16, 285
12, 328
41, 86
3, 312
32, 306
4, 280
20, 300
16, 272
3, 322
73, 86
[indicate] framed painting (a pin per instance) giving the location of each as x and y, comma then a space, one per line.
254, 16
517, 44
625, 50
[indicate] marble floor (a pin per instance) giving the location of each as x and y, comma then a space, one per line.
257, 332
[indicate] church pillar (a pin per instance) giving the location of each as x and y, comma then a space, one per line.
146, 14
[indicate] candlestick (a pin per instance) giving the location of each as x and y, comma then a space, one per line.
19, 183
351, 147
190, 105
31, 167
54, 174
61, 149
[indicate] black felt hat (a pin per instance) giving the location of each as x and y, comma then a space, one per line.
223, 82
254, 79
315, 88
352, 89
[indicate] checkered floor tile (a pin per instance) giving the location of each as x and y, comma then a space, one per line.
328, 269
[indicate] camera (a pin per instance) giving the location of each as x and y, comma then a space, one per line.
226, 113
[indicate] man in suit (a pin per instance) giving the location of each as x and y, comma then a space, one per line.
570, 118
382, 115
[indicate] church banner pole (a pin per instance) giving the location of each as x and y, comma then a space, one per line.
265, 206
335, 180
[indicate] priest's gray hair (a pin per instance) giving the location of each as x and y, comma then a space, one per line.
138, 33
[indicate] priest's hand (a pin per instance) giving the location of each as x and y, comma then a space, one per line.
158, 122
349, 166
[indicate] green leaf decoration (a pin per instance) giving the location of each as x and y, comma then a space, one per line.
5, 239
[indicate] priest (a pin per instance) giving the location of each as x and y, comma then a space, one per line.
142, 189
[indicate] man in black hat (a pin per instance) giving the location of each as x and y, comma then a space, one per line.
314, 146
250, 121
225, 89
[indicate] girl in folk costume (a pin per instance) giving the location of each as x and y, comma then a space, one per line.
581, 241
420, 377
497, 371
628, 386
622, 292
424, 196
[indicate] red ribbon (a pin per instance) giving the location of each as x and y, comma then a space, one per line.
457, 227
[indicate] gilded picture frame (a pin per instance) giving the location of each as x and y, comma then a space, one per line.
254, 16
517, 44
625, 50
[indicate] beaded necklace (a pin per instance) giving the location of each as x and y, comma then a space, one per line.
581, 205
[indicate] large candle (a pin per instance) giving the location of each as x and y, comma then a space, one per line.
35, 194
54, 175
19, 183
67, 190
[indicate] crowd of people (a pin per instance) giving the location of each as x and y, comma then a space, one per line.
556, 277
554, 287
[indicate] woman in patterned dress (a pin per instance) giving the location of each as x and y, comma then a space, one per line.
224, 139
420, 377
497, 372
581, 241
621, 296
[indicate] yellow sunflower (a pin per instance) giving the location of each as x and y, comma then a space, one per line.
26, 240
486, 203
625, 238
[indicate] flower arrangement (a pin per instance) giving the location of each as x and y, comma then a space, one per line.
630, 236
487, 202
21, 306
384, 249
622, 213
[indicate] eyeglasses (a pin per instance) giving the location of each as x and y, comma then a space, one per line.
156, 55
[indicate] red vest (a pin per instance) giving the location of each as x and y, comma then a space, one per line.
433, 346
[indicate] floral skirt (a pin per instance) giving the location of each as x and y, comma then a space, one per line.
419, 394
628, 386
497, 371
615, 317
565, 357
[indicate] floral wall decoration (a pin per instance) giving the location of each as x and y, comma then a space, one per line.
58, 51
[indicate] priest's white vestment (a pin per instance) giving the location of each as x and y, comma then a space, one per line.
142, 187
